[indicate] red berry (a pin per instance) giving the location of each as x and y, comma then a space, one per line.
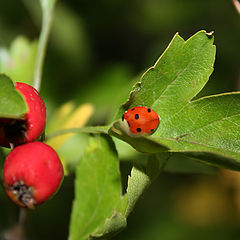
32, 173
140, 121
17, 132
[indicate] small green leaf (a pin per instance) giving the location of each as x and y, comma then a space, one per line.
18, 62
12, 104
98, 203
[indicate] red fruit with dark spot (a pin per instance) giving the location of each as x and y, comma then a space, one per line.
32, 173
17, 132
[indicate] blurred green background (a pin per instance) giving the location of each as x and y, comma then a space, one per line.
97, 49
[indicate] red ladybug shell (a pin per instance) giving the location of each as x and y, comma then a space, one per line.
141, 120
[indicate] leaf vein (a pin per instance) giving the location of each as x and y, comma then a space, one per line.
209, 124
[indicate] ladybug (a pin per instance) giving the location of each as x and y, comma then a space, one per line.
140, 121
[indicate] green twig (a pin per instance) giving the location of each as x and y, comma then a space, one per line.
91, 129
47, 15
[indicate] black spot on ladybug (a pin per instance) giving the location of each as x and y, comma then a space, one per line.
136, 116
152, 130
139, 129
149, 110
133, 109
128, 123
122, 117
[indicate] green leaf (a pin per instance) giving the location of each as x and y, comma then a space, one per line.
210, 124
206, 128
141, 178
211, 155
99, 205
116, 223
12, 104
178, 75
18, 62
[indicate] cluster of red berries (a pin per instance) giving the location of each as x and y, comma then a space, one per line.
32, 171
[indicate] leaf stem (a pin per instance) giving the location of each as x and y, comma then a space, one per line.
90, 129
47, 15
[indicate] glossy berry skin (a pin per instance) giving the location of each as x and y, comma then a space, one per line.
141, 121
17, 132
32, 173
36, 116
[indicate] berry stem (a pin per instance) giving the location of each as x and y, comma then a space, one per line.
16, 232
47, 15
23, 214
43, 137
